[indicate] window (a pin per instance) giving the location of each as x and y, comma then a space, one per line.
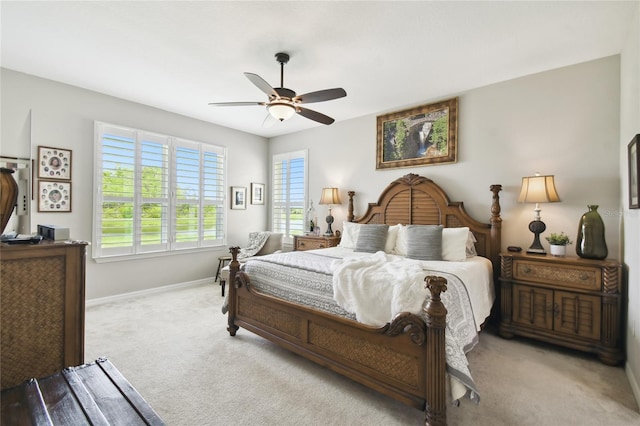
155, 193
289, 186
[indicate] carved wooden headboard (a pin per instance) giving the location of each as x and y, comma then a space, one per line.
417, 200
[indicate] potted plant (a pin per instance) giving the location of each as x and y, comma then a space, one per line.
558, 243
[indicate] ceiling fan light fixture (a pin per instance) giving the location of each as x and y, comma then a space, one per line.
281, 110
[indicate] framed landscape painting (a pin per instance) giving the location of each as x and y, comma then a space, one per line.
420, 136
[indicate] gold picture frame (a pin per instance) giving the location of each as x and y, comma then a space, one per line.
420, 136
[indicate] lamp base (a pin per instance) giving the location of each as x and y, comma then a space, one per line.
537, 227
329, 232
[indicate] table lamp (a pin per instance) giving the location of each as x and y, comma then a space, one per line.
538, 189
330, 196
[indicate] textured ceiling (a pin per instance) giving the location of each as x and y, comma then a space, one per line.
179, 56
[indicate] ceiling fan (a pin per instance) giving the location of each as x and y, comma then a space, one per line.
283, 102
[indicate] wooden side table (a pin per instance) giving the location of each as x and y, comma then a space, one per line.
568, 301
312, 242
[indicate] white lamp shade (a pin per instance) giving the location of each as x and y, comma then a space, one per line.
538, 189
330, 196
281, 110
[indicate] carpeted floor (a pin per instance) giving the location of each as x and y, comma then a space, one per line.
174, 349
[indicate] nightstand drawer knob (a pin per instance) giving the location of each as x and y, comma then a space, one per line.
526, 269
584, 277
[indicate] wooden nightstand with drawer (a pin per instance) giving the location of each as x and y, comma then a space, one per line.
312, 242
571, 302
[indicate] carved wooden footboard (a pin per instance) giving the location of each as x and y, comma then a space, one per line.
404, 359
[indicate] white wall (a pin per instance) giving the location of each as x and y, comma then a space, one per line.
42, 112
563, 122
630, 126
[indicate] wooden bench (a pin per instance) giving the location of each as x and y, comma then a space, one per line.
96, 394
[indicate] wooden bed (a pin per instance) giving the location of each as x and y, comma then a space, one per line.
405, 359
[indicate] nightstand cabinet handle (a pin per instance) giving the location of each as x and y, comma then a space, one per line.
584, 276
526, 269
556, 310
301, 243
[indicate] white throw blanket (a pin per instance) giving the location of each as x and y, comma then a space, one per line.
378, 287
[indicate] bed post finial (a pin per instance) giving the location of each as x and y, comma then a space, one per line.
496, 231
350, 215
234, 267
436, 313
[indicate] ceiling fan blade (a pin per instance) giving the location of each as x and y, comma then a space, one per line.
261, 84
236, 103
321, 96
269, 121
314, 115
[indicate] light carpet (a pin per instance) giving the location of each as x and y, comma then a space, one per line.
174, 349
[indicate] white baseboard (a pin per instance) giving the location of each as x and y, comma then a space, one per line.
123, 296
633, 382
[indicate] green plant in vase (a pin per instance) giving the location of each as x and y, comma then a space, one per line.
558, 243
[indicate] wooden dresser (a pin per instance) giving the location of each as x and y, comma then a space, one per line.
567, 301
312, 242
42, 296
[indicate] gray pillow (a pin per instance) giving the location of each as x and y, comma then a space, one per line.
372, 238
424, 242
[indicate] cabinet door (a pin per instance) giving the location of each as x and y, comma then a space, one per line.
577, 314
533, 307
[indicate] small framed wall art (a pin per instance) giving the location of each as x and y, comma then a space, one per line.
634, 172
238, 198
54, 196
257, 193
54, 163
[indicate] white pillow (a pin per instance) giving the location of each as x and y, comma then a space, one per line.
401, 241
454, 244
392, 236
350, 232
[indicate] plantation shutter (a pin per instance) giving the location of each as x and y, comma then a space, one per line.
213, 161
289, 187
115, 190
155, 193
152, 185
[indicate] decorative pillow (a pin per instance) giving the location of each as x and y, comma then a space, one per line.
454, 244
424, 242
372, 238
350, 233
401, 242
392, 237
471, 246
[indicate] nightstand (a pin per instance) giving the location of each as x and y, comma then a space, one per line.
312, 242
566, 301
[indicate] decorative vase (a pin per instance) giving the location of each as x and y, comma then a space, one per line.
590, 243
556, 250
8, 196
